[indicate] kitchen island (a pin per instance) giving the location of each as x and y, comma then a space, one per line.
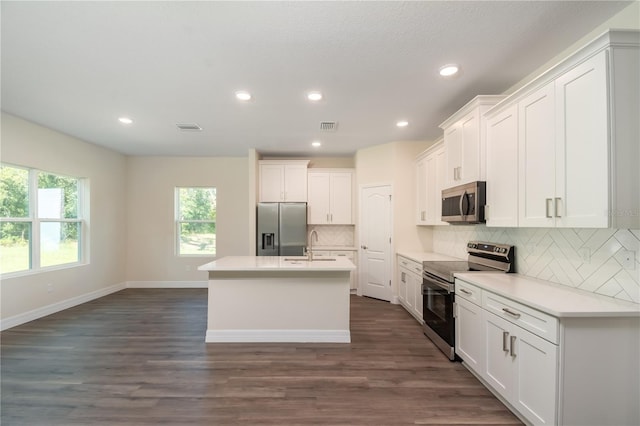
278, 299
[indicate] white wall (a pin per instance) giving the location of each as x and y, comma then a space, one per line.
627, 18
151, 183
30, 145
394, 163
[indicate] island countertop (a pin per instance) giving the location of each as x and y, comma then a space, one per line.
279, 263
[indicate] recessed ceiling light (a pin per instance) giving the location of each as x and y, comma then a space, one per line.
402, 123
125, 120
449, 70
314, 96
243, 96
316, 144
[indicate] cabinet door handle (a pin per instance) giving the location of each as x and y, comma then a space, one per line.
556, 206
512, 345
331, 217
467, 292
513, 314
327, 217
546, 210
505, 336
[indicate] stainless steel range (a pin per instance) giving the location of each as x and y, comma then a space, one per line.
438, 288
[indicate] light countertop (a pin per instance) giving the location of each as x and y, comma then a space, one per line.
426, 256
280, 263
554, 299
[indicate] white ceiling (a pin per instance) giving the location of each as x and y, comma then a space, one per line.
77, 66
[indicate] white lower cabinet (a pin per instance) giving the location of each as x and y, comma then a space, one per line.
565, 370
410, 286
522, 367
470, 341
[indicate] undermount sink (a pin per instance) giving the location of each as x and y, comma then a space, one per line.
304, 259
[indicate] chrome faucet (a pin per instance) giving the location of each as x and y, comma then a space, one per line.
310, 247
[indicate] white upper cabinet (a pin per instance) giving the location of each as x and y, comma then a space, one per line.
537, 163
430, 167
582, 148
502, 168
464, 140
330, 197
577, 142
283, 180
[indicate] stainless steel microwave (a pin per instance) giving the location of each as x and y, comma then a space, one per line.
464, 204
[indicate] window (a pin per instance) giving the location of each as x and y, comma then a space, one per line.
196, 221
40, 220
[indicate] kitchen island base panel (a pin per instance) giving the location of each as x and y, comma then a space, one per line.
278, 336
278, 306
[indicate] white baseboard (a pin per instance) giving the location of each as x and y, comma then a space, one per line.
278, 336
167, 284
58, 306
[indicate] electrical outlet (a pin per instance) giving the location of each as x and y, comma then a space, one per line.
49, 288
585, 254
629, 260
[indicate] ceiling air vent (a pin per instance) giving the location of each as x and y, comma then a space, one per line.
189, 127
328, 126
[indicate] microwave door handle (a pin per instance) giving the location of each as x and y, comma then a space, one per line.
463, 197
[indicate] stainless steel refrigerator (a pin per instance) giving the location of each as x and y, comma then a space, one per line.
281, 229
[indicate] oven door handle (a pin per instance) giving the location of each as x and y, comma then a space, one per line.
444, 286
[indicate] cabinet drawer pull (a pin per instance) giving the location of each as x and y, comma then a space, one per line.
513, 314
512, 344
418, 270
505, 335
467, 292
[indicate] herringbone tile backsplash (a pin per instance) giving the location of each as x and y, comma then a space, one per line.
589, 259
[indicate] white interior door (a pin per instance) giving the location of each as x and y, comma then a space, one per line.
375, 241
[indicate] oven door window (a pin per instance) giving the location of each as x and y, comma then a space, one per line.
438, 309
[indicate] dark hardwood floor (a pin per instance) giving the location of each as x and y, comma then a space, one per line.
138, 357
